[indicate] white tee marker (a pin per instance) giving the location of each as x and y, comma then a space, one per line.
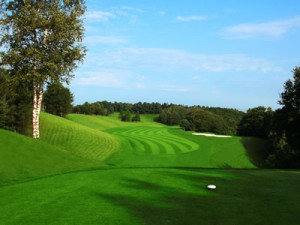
211, 187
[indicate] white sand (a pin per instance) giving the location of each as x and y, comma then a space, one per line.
212, 135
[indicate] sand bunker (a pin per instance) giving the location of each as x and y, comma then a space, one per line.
212, 135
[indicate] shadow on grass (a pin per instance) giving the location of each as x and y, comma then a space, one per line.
180, 197
225, 166
185, 202
257, 150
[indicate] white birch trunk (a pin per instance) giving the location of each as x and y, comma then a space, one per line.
37, 104
37, 100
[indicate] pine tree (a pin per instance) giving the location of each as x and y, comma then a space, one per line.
58, 99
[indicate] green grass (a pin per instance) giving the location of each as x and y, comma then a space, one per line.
106, 122
80, 140
99, 170
155, 196
23, 158
155, 145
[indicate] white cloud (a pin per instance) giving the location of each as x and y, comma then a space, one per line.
99, 16
174, 88
273, 29
162, 13
161, 69
105, 40
191, 18
129, 8
101, 78
174, 61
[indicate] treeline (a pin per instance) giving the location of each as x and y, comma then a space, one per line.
202, 119
106, 108
281, 128
196, 118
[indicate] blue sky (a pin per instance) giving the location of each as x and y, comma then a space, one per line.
233, 54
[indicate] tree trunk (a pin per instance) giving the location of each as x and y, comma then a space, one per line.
37, 103
37, 100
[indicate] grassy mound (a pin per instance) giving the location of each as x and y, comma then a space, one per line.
77, 139
64, 146
24, 158
155, 196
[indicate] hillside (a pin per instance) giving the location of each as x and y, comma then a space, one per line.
78, 139
64, 146
24, 158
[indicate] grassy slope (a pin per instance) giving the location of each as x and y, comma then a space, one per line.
64, 146
78, 139
24, 158
155, 196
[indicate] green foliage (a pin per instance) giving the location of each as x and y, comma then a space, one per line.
172, 115
125, 115
4, 101
290, 98
204, 121
15, 104
256, 122
58, 99
136, 118
285, 130
111, 107
42, 38
97, 108
150, 108
231, 117
22, 108
185, 125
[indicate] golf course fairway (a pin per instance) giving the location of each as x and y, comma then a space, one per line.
99, 170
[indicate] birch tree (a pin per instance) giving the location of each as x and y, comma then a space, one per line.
41, 42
